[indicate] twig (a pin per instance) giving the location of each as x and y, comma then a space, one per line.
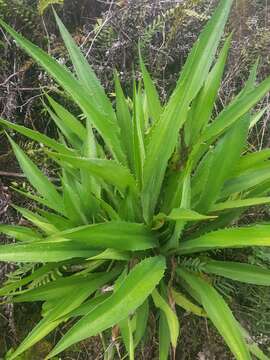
21, 175
100, 28
12, 174
10, 77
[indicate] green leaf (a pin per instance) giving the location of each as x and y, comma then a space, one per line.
226, 154
141, 322
252, 161
204, 105
73, 204
89, 184
37, 179
37, 220
68, 122
257, 117
85, 74
132, 292
153, 102
63, 306
234, 204
182, 301
170, 315
59, 288
246, 181
89, 305
166, 130
238, 107
246, 273
104, 124
127, 336
229, 238
117, 235
36, 198
251, 82
111, 254
201, 175
219, 313
9, 288
59, 222
108, 170
37, 136
252, 346
138, 133
124, 120
186, 215
38, 252
163, 337
21, 233
185, 203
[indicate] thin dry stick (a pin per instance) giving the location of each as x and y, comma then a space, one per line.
21, 175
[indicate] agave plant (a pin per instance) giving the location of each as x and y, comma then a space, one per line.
147, 193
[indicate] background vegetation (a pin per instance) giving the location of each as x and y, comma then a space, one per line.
108, 32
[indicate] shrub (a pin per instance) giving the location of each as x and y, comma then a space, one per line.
147, 193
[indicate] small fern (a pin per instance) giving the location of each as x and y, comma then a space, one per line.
195, 264
20, 272
171, 14
46, 278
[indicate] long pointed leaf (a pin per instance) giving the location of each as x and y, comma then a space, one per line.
132, 292
115, 234
45, 252
167, 128
107, 128
170, 315
37, 136
108, 170
124, 120
85, 72
154, 106
219, 313
37, 179
206, 98
246, 273
229, 238
61, 308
